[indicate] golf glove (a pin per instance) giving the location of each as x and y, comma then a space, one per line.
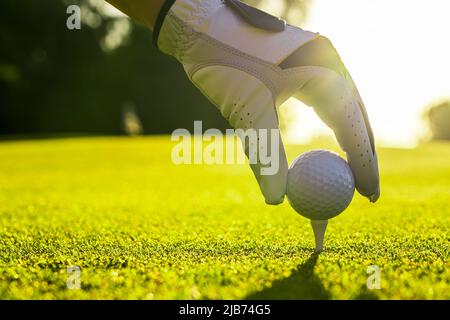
247, 63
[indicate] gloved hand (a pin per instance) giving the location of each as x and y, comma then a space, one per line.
248, 63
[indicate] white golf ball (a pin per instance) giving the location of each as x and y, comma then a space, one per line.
320, 185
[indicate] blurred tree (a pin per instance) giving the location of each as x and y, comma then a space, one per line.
54, 80
438, 117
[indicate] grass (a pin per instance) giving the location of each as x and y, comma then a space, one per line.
140, 227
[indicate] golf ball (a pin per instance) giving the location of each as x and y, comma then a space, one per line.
320, 185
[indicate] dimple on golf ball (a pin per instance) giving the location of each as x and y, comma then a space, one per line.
320, 185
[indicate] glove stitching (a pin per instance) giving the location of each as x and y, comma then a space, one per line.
236, 52
239, 66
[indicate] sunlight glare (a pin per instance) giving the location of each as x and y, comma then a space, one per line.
398, 53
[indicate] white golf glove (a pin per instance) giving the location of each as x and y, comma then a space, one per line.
248, 63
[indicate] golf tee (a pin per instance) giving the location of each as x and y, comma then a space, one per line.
319, 228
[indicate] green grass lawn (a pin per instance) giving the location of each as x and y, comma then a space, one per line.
140, 227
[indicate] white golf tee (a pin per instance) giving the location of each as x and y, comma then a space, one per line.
319, 228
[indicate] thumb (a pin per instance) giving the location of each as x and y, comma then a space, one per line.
265, 151
248, 105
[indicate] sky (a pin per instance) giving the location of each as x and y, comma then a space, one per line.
398, 52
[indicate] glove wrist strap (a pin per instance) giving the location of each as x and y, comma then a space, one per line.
160, 20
